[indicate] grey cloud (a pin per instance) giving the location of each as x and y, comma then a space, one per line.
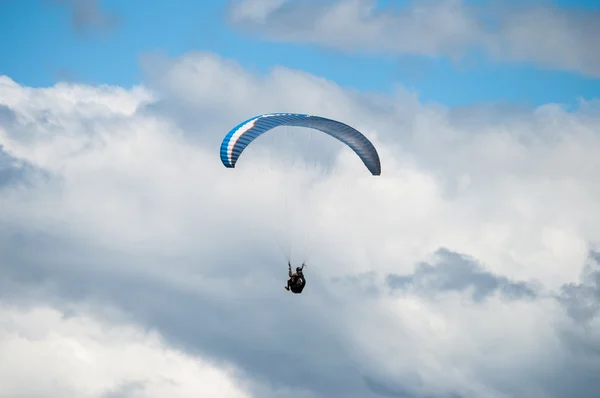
577, 367
539, 32
384, 390
431, 27
7, 116
270, 339
456, 272
268, 336
549, 36
15, 171
395, 389
88, 15
582, 300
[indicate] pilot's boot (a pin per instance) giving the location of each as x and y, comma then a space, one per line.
287, 288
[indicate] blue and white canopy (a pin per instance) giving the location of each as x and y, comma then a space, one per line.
243, 134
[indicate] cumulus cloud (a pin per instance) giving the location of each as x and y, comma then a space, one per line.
48, 353
136, 213
453, 272
583, 299
539, 32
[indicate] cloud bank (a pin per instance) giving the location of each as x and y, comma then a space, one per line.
468, 268
537, 32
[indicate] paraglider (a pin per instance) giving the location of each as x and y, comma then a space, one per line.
244, 133
238, 139
297, 280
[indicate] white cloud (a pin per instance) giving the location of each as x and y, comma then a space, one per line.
540, 33
256, 10
138, 212
47, 354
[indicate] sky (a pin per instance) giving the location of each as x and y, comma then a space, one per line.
476, 53
135, 265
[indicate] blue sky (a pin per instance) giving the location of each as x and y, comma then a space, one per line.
41, 46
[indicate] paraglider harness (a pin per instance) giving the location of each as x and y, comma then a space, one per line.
297, 281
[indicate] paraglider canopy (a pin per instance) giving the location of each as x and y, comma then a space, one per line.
243, 134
